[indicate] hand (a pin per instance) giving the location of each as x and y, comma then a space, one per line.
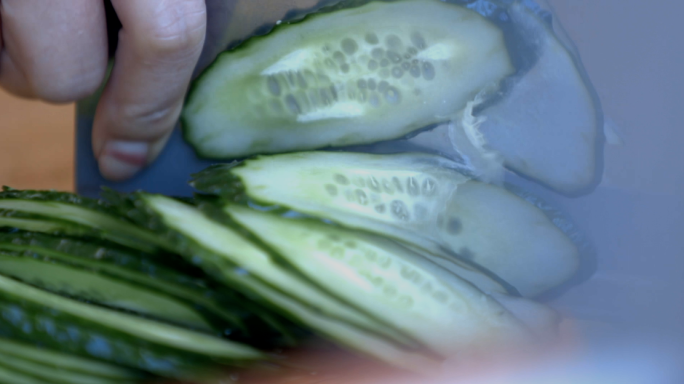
57, 51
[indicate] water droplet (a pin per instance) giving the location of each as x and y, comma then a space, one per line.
428, 71
384, 63
387, 186
372, 65
344, 68
380, 208
399, 210
454, 226
331, 189
394, 57
392, 96
361, 197
393, 42
372, 38
349, 46
405, 66
412, 51
339, 57
362, 84
372, 84
412, 186
418, 40
273, 86
397, 72
429, 187
378, 53
292, 104
415, 71
341, 179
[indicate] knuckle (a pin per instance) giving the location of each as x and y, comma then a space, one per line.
66, 88
157, 120
179, 30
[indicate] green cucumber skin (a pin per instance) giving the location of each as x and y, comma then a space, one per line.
40, 325
68, 363
489, 72
238, 317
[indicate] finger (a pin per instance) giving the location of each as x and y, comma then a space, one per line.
53, 50
159, 45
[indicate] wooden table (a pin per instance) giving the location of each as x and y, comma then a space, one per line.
36, 144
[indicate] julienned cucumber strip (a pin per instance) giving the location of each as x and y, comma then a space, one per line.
87, 286
67, 363
138, 268
421, 299
419, 199
374, 72
51, 374
84, 212
222, 251
87, 330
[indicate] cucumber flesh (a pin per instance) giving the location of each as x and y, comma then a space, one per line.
48, 358
236, 252
88, 286
388, 281
361, 75
418, 199
548, 126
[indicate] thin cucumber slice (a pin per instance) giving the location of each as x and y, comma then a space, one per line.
79, 211
65, 362
375, 72
549, 125
52, 374
122, 338
88, 286
446, 313
222, 250
419, 199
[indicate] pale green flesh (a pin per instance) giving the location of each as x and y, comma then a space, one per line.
225, 242
420, 200
388, 281
90, 286
62, 361
360, 75
51, 374
342, 333
145, 329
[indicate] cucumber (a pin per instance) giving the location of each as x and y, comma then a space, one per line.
419, 199
10, 376
87, 286
221, 251
60, 362
364, 74
82, 215
390, 282
548, 125
37, 316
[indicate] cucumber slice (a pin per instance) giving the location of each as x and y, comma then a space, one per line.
35, 315
83, 216
549, 125
90, 287
67, 363
447, 314
222, 250
417, 199
375, 72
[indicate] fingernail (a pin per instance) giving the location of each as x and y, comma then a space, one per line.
120, 160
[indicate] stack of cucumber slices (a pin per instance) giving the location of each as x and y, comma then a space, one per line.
410, 258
